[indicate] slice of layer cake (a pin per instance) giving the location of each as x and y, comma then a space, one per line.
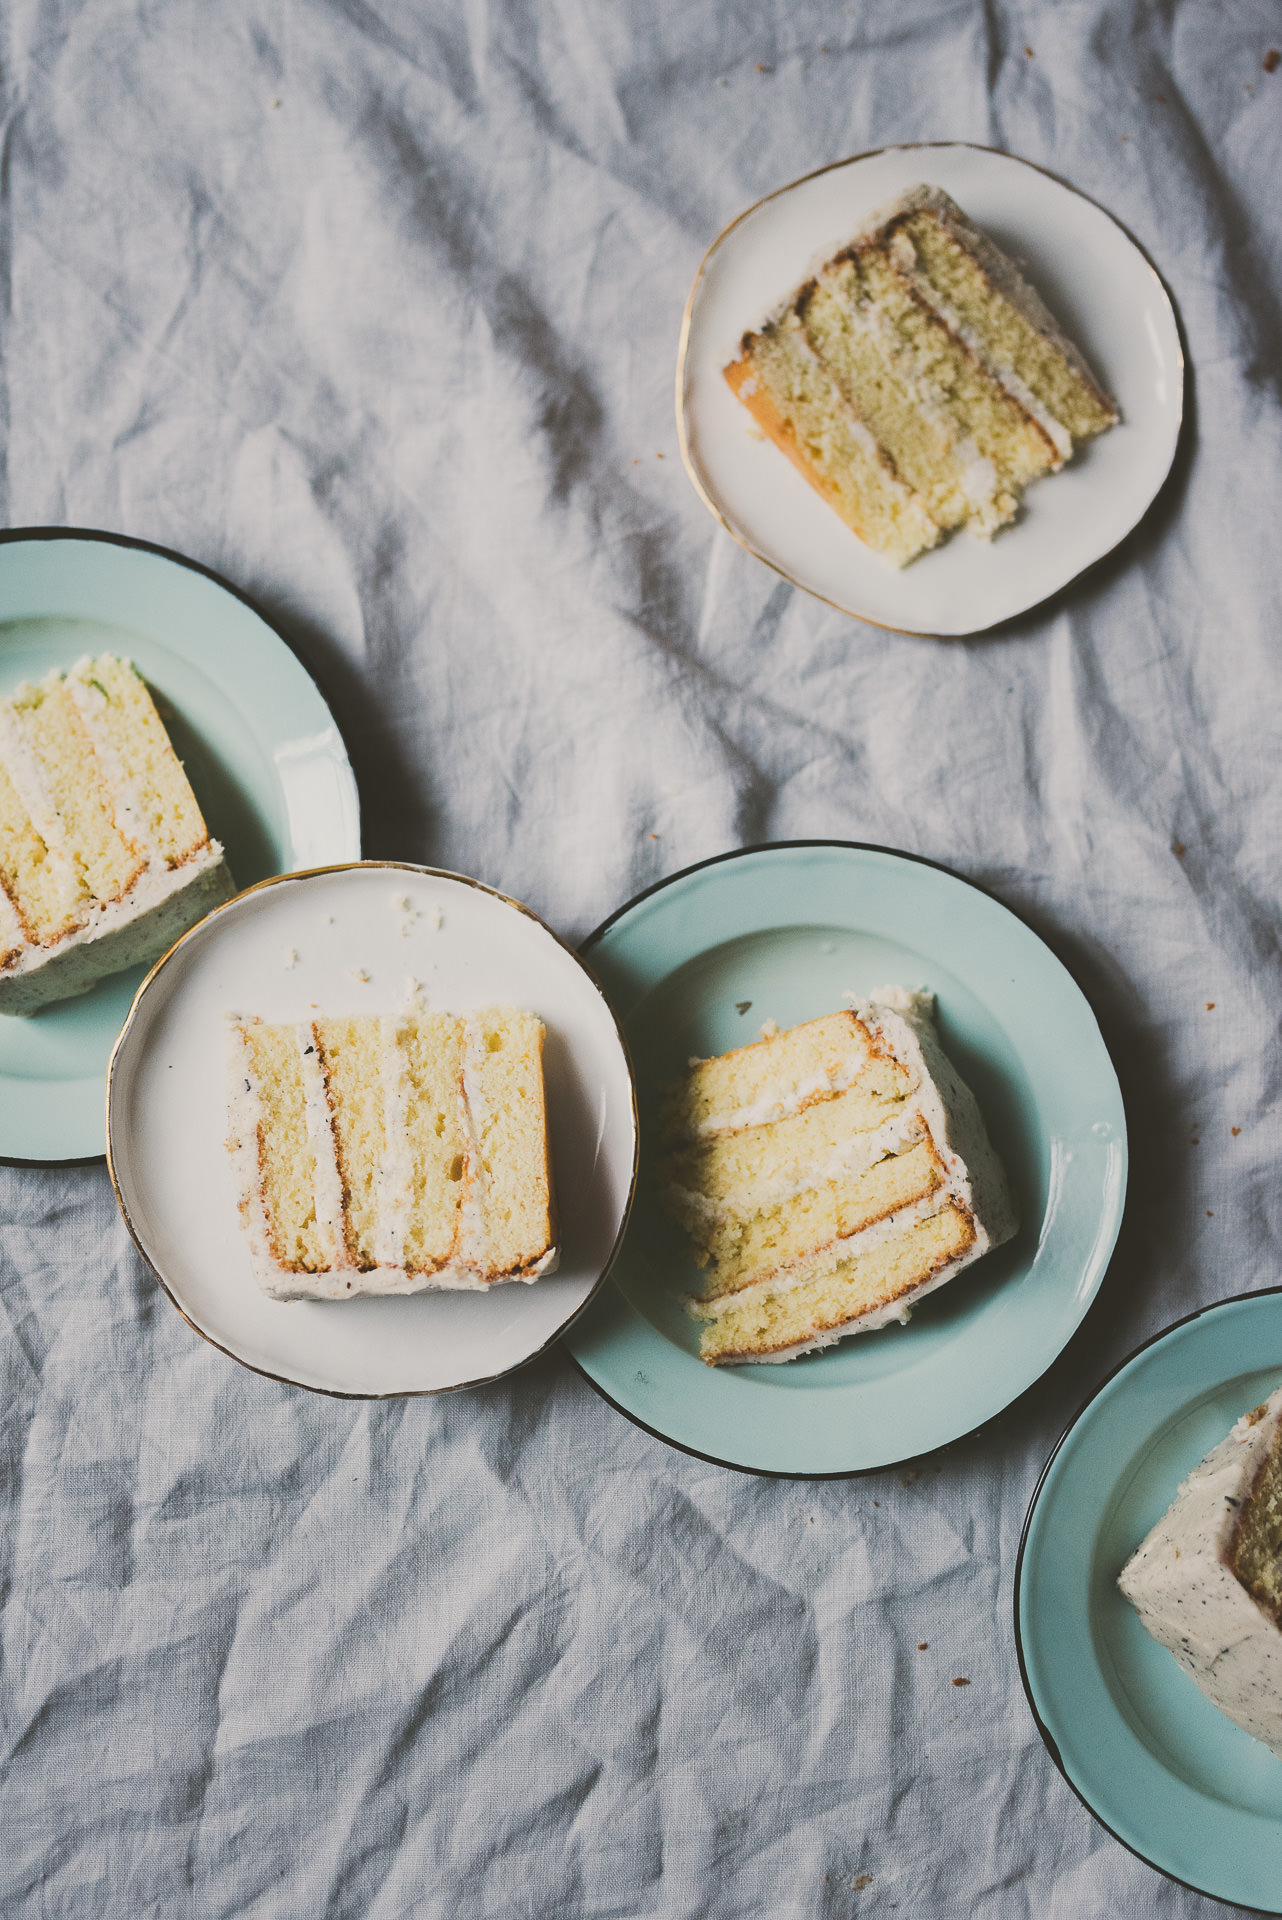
829, 1177
918, 382
1207, 1581
104, 856
386, 1154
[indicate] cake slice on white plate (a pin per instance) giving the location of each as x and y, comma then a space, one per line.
917, 380
387, 1154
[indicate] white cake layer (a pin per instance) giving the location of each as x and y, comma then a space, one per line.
858, 1154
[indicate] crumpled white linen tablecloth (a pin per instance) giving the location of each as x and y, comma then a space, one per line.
373, 306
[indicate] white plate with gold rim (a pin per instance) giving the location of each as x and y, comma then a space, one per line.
337, 940
1097, 283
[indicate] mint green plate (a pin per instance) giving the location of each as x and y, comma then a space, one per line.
261, 750
782, 932
1154, 1761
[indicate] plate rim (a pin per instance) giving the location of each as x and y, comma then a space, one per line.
437, 873
13, 536
1048, 1739
833, 166
918, 859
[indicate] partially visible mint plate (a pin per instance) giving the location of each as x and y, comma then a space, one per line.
1154, 1761
260, 746
696, 966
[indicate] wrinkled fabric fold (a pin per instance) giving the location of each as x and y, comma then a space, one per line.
374, 309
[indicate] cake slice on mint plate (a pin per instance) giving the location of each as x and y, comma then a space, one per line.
1207, 1581
105, 858
829, 1178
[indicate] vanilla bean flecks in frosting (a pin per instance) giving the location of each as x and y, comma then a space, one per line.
1182, 1581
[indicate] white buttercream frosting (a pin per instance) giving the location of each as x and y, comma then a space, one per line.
973, 1174
777, 1100
855, 1155
979, 484
1192, 1602
161, 905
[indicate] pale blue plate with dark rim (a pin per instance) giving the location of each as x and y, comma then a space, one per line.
1151, 1758
784, 931
261, 748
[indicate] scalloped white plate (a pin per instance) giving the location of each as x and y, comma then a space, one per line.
1094, 279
